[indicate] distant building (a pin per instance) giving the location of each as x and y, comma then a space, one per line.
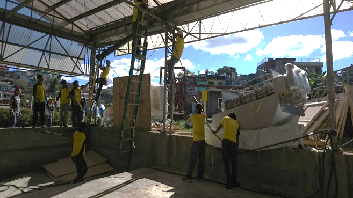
221, 80
214, 102
347, 74
278, 64
4, 71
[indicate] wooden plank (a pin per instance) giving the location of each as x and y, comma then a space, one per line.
93, 170
350, 107
312, 121
119, 94
65, 165
313, 143
317, 123
342, 116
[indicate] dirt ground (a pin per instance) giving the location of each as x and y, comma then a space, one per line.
140, 183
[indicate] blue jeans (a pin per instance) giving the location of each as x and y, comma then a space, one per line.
198, 149
15, 118
49, 120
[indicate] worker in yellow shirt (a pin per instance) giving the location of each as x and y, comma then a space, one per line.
77, 109
78, 153
142, 4
178, 48
136, 12
102, 80
198, 146
39, 102
229, 149
64, 102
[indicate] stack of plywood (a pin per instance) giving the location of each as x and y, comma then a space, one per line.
119, 94
320, 120
65, 170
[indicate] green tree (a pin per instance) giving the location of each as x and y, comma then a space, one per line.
107, 94
226, 70
55, 83
187, 73
317, 83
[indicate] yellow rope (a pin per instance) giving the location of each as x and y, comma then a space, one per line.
271, 135
257, 111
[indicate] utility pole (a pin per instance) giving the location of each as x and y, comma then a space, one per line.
329, 65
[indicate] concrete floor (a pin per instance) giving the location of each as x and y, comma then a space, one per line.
141, 183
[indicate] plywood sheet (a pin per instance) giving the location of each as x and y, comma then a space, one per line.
119, 95
65, 165
254, 115
93, 170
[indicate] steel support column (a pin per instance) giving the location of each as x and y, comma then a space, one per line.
91, 74
165, 92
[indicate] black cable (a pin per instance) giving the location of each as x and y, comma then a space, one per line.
292, 140
322, 173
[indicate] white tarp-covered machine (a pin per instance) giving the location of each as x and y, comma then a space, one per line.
270, 113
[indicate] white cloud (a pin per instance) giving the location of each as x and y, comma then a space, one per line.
351, 33
340, 50
336, 34
67, 78
248, 57
154, 83
121, 68
83, 77
237, 56
294, 45
231, 44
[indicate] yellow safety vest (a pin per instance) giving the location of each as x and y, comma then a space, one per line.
77, 95
105, 73
64, 95
40, 92
179, 47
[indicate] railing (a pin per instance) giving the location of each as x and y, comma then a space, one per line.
307, 60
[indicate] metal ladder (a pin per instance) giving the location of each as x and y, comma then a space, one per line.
132, 99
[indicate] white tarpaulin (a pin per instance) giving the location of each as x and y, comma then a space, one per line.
253, 139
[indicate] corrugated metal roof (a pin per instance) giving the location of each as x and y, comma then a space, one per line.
31, 57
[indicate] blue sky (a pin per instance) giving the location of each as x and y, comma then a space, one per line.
299, 39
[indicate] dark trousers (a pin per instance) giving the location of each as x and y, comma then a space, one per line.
197, 151
101, 82
81, 166
171, 62
229, 149
38, 107
77, 115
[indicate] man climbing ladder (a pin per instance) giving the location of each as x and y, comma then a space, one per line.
102, 80
178, 48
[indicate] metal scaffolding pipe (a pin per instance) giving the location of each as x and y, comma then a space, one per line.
165, 101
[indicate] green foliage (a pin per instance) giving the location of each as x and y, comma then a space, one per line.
25, 120
181, 123
55, 83
187, 73
226, 70
106, 94
315, 81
